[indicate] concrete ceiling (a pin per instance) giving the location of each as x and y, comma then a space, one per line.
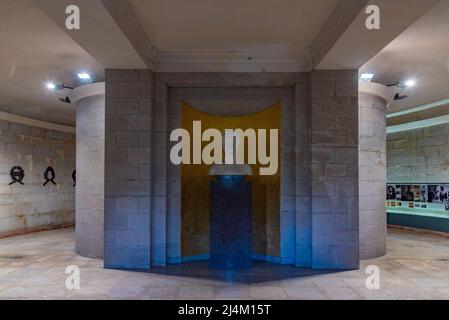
203, 35
421, 52
33, 51
204, 25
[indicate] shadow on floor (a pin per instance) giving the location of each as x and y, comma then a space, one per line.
260, 272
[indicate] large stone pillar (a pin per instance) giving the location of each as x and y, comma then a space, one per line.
334, 169
128, 213
90, 136
374, 99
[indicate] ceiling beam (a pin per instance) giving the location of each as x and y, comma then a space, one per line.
336, 26
126, 19
349, 45
233, 61
109, 31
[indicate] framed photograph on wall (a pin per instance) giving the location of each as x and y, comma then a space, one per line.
423, 196
444, 193
407, 193
434, 193
391, 192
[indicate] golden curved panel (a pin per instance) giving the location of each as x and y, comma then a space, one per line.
195, 193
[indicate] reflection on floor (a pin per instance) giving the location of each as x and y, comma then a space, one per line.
33, 267
259, 273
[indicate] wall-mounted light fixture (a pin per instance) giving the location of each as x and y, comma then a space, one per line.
65, 100
403, 85
398, 97
83, 77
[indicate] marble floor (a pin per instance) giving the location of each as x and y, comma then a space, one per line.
33, 267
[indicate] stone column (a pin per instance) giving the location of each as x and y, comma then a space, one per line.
374, 99
90, 135
128, 173
334, 169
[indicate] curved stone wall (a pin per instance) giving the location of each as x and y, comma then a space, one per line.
373, 102
89, 203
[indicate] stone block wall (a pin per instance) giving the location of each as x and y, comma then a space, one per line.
319, 210
419, 156
302, 182
32, 207
128, 115
334, 169
163, 226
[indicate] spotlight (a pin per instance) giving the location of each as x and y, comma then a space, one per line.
410, 83
51, 86
65, 100
366, 77
398, 97
84, 76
